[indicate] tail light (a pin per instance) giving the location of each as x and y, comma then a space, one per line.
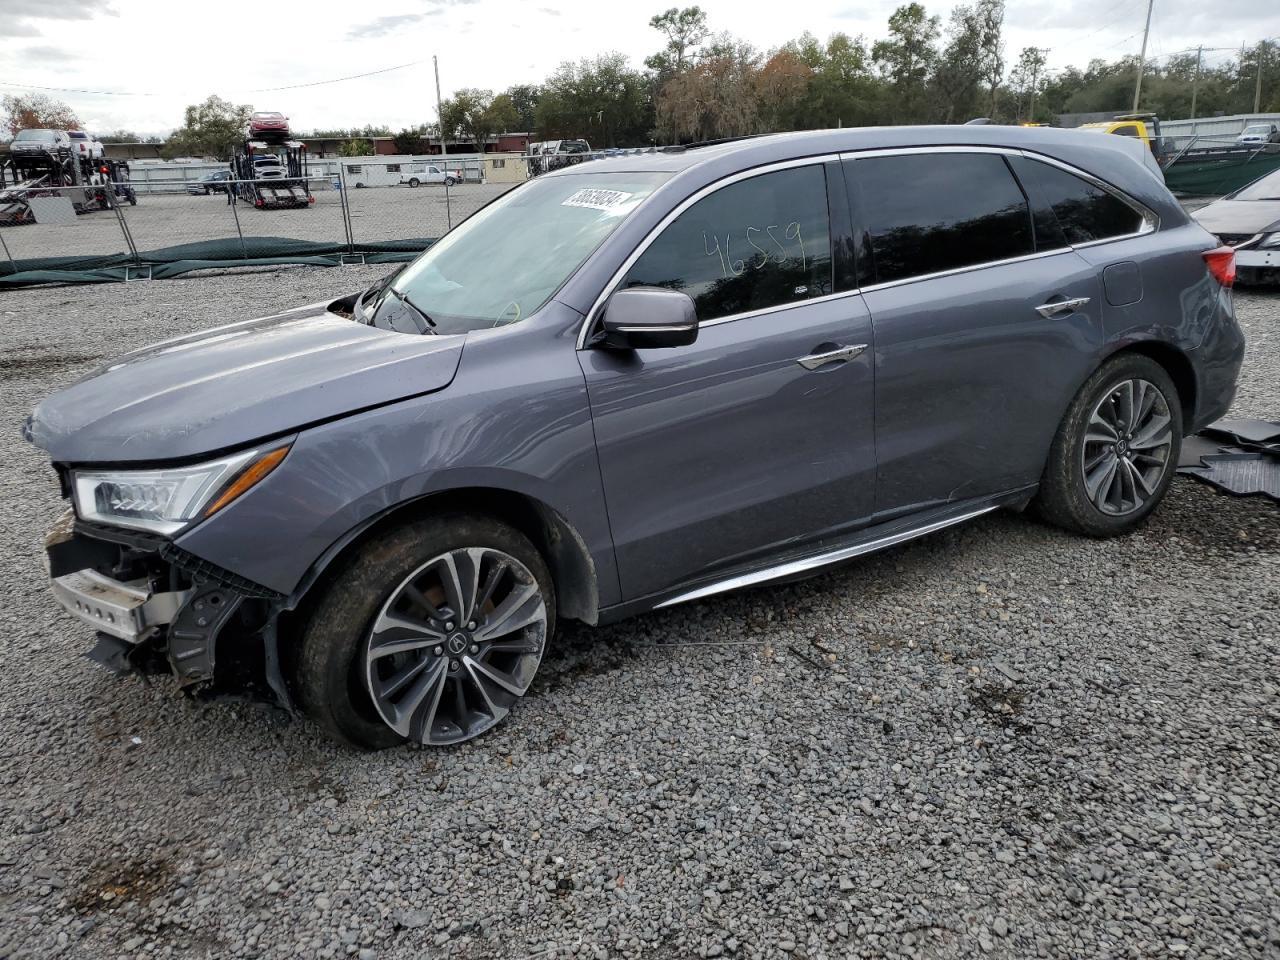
311, 199
1222, 264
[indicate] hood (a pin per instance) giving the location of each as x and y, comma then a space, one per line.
1239, 216
230, 386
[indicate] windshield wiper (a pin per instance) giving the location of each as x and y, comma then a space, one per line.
404, 298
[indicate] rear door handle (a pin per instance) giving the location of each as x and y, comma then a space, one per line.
1060, 308
815, 360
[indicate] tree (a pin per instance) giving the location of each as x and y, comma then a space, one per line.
907, 57
524, 98
1028, 81
959, 70
212, 128
684, 30
713, 98
990, 14
781, 86
38, 111
602, 100
356, 146
476, 115
413, 140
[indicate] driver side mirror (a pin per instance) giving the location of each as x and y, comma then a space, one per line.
648, 318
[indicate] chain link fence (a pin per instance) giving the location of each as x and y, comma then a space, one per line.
120, 232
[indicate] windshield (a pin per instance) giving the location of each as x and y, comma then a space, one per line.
1266, 188
34, 135
506, 261
1256, 129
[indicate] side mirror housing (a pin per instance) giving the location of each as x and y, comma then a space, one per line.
648, 318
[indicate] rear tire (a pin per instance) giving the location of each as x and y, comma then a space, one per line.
414, 182
1116, 450
475, 666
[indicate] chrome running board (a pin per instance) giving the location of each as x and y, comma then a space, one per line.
804, 564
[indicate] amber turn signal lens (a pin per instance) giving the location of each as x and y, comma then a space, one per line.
249, 478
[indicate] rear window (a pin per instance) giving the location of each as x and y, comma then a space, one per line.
1084, 211
926, 213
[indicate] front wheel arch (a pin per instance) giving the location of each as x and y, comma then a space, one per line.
573, 570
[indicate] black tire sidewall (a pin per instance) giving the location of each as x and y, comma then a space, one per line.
1062, 499
328, 675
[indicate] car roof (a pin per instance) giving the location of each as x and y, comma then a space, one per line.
751, 151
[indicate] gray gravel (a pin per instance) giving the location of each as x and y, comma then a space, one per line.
1001, 740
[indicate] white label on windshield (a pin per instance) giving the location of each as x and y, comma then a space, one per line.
596, 199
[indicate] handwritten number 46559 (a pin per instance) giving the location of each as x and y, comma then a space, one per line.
736, 268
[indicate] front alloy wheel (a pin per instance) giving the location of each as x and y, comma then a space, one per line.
456, 644
428, 632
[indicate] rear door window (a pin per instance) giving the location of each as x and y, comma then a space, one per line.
1085, 211
758, 243
930, 212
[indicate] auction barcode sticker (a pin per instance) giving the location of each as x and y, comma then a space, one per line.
596, 199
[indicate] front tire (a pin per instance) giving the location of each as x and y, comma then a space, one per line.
429, 633
1116, 451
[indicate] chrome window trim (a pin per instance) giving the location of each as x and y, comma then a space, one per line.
610, 287
1150, 223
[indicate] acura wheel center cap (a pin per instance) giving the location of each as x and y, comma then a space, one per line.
457, 642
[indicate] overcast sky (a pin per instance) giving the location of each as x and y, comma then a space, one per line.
166, 54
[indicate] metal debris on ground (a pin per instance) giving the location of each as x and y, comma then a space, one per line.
1239, 456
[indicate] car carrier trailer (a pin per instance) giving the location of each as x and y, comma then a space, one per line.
284, 186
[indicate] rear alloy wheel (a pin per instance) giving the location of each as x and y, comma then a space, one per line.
1126, 447
455, 645
1116, 450
429, 632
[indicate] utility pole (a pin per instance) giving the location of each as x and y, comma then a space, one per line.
435, 63
1142, 57
1035, 74
1257, 83
1195, 84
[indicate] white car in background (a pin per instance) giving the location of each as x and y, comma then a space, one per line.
1260, 133
416, 174
85, 145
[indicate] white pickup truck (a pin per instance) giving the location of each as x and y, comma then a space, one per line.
416, 174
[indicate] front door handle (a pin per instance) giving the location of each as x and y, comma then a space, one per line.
815, 360
1060, 308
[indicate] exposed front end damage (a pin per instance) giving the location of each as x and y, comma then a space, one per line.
157, 609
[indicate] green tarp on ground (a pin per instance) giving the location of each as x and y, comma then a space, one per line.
207, 254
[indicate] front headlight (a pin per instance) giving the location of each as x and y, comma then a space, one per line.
1269, 241
165, 500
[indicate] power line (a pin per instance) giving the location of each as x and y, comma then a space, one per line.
293, 86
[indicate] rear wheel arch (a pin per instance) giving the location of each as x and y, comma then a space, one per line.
1175, 363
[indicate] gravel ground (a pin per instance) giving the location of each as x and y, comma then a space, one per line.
162, 220
1000, 740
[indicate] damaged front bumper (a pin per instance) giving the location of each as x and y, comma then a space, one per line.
156, 608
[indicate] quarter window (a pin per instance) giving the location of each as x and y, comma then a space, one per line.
754, 244
1085, 211
926, 213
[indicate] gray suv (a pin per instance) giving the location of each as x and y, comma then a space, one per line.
631, 384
